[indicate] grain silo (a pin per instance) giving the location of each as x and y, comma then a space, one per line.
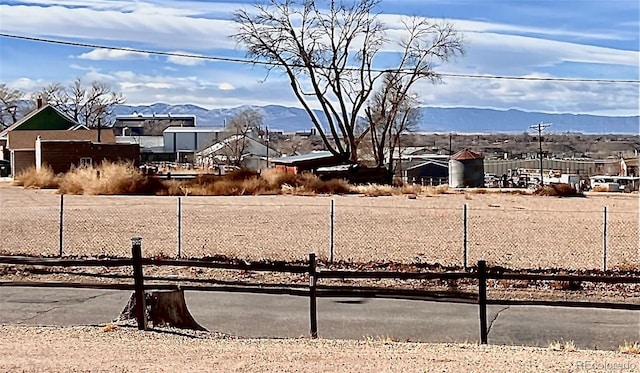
466, 170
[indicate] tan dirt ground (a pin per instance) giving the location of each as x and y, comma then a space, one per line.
517, 231
92, 349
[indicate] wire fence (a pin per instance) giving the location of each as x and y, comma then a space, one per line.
356, 230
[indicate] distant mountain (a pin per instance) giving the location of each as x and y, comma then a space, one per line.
458, 120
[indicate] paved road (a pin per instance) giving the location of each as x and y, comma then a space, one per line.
260, 315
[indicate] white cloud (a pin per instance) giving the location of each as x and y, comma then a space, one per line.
112, 54
203, 28
226, 87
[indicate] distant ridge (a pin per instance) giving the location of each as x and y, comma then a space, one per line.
458, 120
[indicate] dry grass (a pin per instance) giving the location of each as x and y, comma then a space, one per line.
125, 179
377, 190
630, 348
568, 346
109, 179
600, 188
558, 190
39, 179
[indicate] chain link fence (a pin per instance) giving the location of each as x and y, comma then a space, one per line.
346, 229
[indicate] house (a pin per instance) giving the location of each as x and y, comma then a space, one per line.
150, 125
629, 166
431, 172
61, 155
47, 124
307, 162
245, 150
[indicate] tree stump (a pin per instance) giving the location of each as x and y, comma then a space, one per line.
164, 308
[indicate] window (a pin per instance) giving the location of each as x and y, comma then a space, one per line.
86, 162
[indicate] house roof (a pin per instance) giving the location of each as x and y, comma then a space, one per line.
138, 120
194, 129
466, 154
49, 110
215, 148
434, 162
313, 156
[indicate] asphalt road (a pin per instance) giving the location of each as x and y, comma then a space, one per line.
284, 316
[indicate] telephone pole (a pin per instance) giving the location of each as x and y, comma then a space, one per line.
540, 126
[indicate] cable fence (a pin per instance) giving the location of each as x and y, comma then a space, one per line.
340, 229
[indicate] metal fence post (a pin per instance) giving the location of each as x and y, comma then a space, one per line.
331, 231
61, 227
313, 314
604, 238
179, 238
465, 241
141, 306
482, 299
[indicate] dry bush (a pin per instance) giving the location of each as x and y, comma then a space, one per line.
110, 179
563, 346
558, 190
376, 190
433, 190
241, 174
173, 188
39, 179
630, 348
333, 186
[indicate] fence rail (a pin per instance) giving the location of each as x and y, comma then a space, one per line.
481, 274
336, 229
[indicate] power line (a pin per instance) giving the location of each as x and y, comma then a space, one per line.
266, 63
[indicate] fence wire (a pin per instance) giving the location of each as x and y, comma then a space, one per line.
346, 229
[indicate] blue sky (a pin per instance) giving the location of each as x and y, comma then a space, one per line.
590, 39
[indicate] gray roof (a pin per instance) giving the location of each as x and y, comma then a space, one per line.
304, 157
439, 163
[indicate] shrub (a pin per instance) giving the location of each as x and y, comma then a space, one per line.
40, 179
558, 190
630, 348
110, 179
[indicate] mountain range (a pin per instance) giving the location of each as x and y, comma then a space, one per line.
434, 119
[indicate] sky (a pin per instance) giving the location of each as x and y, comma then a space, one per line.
588, 39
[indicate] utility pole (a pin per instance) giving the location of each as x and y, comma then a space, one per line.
540, 126
267, 143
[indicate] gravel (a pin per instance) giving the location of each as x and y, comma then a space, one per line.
114, 348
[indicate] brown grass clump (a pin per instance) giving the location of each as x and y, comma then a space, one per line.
558, 190
630, 348
569, 346
38, 179
110, 179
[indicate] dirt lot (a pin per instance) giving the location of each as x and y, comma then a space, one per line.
92, 349
518, 231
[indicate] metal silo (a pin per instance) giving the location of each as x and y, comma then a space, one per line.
466, 170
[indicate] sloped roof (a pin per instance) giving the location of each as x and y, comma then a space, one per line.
34, 113
466, 154
438, 163
226, 142
304, 157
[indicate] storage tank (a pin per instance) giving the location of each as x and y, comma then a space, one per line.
466, 170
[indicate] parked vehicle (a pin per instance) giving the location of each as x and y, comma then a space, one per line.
5, 168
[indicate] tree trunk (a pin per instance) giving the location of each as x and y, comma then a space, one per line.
165, 308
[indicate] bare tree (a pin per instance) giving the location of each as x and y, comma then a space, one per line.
246, 123
11, 105
328, 57
294, 145
392, 111
89, 105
